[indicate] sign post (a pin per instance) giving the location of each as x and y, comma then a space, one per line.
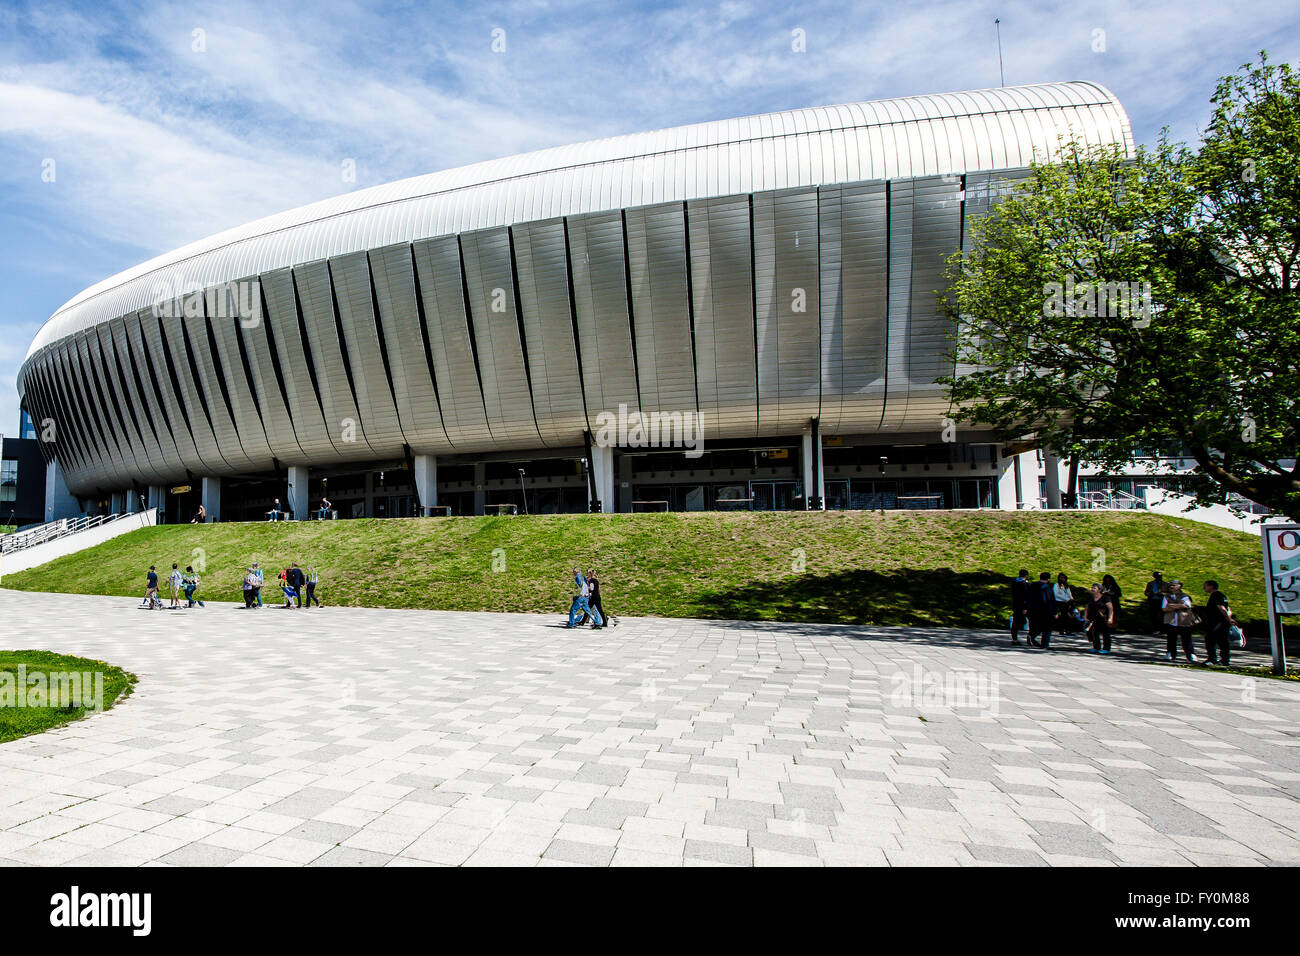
1281, 583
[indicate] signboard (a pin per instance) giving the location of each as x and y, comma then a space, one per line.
180, 489
1281, 582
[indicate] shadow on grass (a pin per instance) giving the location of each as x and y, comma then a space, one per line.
936, 597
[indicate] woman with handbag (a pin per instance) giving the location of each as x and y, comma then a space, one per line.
1218, 624
1180, 618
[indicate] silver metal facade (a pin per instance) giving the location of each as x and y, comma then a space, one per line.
760, 272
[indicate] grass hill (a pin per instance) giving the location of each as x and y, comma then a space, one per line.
903, 567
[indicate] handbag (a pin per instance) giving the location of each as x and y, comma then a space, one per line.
1237, 636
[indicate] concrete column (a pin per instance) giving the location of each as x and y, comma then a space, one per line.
115, 503
1008, 482
426, 482
296, 499
625, 483
814, 471
602, 464
157, 497
480, 495
806, 453
211, 498
1052, 474
132, 501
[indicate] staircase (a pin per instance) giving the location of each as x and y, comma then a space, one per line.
34, 546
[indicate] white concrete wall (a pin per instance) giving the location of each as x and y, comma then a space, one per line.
1162, 502
72, 543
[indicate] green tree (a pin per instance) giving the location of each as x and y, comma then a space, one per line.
1117, 304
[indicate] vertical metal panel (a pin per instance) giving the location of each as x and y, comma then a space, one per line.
277, 424
153, 431
656, 240
724, 315
900, 303
173, 431
89, 433
600, 301
351, 274
437, 269
79, 434
342, 419
491, 291
248, 421
917, 403
281, 321
121, 459
548, 326
95, 412
61, 448
223, 425
787, 317
173, 408
200, 428
393, 273
101, 346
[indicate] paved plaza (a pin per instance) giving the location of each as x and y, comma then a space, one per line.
389, 738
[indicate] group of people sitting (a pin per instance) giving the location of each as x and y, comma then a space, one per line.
277, 512
1042, 608
586, 605
295, 583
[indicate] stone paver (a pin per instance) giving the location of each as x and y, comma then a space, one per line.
350, 737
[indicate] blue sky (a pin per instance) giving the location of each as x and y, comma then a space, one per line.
160, 135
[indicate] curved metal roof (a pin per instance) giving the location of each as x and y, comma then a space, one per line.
912, 136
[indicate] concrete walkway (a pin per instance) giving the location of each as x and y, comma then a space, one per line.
371, 737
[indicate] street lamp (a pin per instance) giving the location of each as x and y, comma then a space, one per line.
523, 490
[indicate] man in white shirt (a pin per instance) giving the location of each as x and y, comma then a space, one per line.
174, 584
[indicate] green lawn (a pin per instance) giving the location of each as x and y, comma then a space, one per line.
938, 568
8, 528
37, 715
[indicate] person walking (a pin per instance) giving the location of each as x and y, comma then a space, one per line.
1218, 621
175, 583
258, 581
1180, 618
191, 585
151, 589
1111, 587
1101, 618
582, 602
1064, 598
1040, 602
313, 579
1019, 593
250, 586
1155, 594
295, 579
597, 609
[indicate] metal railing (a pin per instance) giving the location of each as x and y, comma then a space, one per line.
1112, 499
29, 538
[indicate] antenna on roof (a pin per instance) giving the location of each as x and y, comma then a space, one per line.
997, 25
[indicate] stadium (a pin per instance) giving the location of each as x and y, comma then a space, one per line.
733, 314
